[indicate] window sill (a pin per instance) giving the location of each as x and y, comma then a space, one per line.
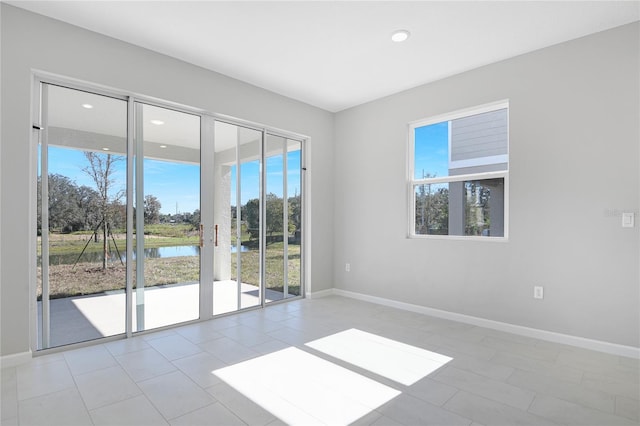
459, 238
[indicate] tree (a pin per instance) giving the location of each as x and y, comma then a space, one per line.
274, 210
274, 207
89, 202
295, 214
151, 209
194, 219
64, 206
71, 208
118, 215
251, 212
432, 209
100, 169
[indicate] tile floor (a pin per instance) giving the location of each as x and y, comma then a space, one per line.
81, 318
166, 377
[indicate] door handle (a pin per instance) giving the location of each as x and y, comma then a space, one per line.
201, 235
216, 237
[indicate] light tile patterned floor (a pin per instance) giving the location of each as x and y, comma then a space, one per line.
83, 318
166, 377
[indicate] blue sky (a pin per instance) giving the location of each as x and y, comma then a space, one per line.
431, 151
173, 183
170, 182
250, 184
70, 162
177, 183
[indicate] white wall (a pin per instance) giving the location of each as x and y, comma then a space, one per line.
31, 41
574, 166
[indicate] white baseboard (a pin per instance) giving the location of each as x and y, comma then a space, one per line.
321, 293
15, 359
580, 342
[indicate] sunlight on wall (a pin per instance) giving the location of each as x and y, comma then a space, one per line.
394, 360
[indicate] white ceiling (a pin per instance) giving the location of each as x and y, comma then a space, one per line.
103, 126
336, 55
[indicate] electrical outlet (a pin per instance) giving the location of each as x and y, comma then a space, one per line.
347, 267
628, 220
538, 292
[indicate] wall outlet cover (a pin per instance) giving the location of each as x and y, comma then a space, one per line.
538, 292
628, 220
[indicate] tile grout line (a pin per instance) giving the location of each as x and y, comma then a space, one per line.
84, 403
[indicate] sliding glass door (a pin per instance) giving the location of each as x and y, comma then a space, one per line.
283, 217
81, 217
238, 245
83, 244
258, 218
167, 217
128, 240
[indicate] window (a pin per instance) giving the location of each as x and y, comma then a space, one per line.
459, 168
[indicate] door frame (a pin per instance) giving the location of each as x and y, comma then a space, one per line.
207, 153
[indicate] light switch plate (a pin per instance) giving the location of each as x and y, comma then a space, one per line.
538, 292
628, 220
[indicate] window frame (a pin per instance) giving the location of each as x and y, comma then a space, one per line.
412, 182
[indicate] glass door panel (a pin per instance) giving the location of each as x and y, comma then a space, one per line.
237, 258
274, 218
81, 217
167, 217
248, 256
283, 218
294, 218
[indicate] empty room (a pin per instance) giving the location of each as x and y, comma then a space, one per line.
320, 213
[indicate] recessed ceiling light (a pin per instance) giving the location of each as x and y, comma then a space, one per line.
106, 149
400, 35
163, 146
87, 106
157, 122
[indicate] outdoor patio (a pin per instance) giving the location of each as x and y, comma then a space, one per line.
82, 318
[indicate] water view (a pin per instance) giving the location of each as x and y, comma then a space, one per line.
149, 253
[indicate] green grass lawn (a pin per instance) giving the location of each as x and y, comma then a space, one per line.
274, 273
90, 278
65, 280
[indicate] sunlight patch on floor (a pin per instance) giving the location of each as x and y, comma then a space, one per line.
394, 360
303, 389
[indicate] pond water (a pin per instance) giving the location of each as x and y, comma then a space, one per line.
150, 253
243, 249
